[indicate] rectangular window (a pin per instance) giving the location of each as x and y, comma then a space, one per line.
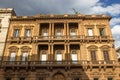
59, 33
22, 78
12, 56
90, 32
93, 55
110, 79
73, 33
40, 78
25, 56
16, 32
8, 78
28, 33
75, 79
59, 57
101, 31
74, 56
96, 79
106, 56
43, 57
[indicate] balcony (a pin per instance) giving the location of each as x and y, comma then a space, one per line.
60, 38
57, 63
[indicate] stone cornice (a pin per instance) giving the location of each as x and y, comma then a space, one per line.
64, 16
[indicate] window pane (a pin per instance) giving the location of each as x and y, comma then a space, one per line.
22, 78
90, 32
24, 56
106, 56
74, 56
96, 78
12, 56
8, 79
93, 55
101, 30
16, 32
75, 79
44, 56
28, 32
110, 78
59, 57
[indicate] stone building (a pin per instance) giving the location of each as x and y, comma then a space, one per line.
60, 47
5, 14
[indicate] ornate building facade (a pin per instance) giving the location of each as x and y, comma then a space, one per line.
60, 47
5, 15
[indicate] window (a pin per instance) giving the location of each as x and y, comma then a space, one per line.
74, 56
8, 78
12, 56
22, 78
28, 32
101, 31
106, 55
41, 78
59, 56
16, 32
75, 79
24, 56
72, 33
90, 32
45, 32
43, 56
96, 79
110, 79
59, 33
93, 55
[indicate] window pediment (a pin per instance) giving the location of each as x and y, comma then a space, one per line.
25, 48
92, 47
13, 48
105, 47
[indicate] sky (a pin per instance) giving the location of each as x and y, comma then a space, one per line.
33, 7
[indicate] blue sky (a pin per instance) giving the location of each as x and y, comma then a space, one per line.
32, 7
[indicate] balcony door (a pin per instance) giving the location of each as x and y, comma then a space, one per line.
24, 56
59, 55
44, 57
90, 32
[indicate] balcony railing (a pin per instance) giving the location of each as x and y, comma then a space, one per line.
54, 63
65, 37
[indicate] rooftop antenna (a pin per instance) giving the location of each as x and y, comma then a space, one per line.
75, 11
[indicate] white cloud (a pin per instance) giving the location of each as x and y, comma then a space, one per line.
113, 9
115, 21
116, 30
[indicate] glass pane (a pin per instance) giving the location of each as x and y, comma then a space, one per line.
96, 78
110, 78
24, 56
90, 32
16, 33
22, 78
12, 56
93, 56
74, 57
101, 30
59, 57
43, 57
8, 79
106, 56
27, 32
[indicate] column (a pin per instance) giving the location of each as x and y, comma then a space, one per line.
68, 52
52, 24
50, 29
51, 55
66, 55
35, 52
49, 51
67, 29
39, 30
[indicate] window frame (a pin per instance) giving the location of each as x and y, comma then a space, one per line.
11, 56
28, 34
102, 33
16, 33
42, 53
90, 33
59, 53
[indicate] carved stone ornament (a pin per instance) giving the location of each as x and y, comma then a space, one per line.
25, 48
13, 48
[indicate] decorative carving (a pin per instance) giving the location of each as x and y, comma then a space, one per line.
13, 48
25, 49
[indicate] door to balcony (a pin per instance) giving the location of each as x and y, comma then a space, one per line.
58, 77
